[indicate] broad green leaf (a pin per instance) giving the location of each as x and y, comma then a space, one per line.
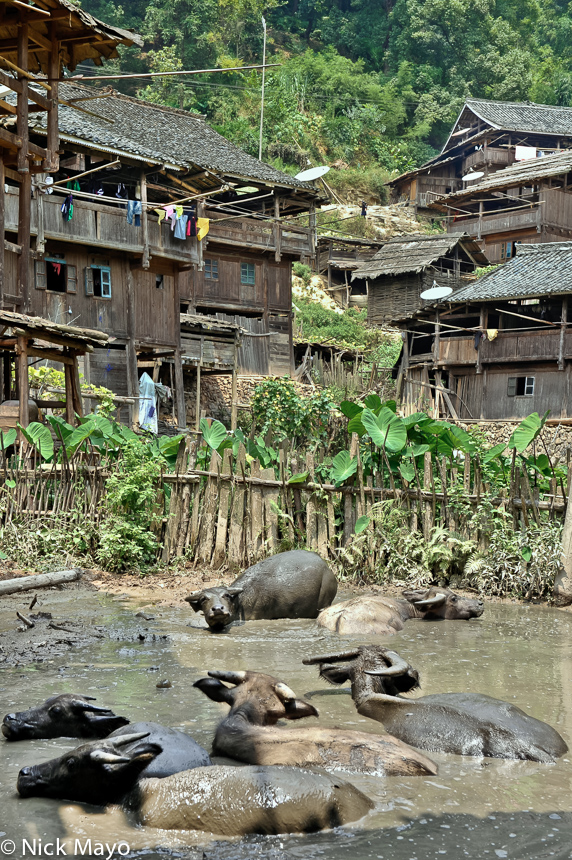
407, 471
373, 402
356, 425
526, 553
169, 448
78, 437
349, 409
527, 431
299, 478
62, 429
385, 430
419, 450
391, 404
494, 452
8, 438
343, 467
462, 440
214, 435
40, 437
10, 483
417, 418
361, 524
3, 556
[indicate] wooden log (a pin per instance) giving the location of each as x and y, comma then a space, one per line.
270, 503
206, 536
256, 516
236, 538
311, 519
219, 553
427, 486
41, 580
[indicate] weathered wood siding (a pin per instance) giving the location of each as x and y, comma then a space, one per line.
485, 395
108, 367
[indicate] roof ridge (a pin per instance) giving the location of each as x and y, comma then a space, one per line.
519, 104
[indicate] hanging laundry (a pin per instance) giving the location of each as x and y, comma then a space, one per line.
192, 225
477, 340
121, 191
73, 185
179, 211
149, 391
67, 208
57, 267
492, 333
169, 210
202, 228
161, 213
181, 227
134, 212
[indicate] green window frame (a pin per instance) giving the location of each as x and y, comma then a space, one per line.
247, 274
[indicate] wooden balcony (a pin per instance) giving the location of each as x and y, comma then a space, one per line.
492, 156
106, 226
502, 223
509, 347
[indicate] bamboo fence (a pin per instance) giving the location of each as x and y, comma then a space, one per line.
236, 512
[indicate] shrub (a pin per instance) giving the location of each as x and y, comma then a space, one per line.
277, 407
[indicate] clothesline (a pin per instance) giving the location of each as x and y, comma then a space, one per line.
101, 197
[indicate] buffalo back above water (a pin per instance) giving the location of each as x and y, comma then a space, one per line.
295, 584
178, 750
378, 615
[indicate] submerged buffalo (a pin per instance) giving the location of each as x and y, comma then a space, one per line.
249, 733
68, 715
461, 723
228, 801
296, 584
376, 615
178, 750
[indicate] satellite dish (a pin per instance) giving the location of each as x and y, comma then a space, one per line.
312, 173
435, 292
476, 175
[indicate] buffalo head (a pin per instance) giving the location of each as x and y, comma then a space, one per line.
220, 605
99, 772
260, 699
443, 603
68, 715
370, 667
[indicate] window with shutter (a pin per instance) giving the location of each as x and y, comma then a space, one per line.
88, 281
105, 283
71, 279
511, 390
40, 272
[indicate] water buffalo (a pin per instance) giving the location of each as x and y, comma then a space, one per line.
228, 801
296, 584
376, 615
250, 734
178, 750
461, 723
67, 715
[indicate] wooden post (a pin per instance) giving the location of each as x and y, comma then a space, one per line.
75, 387
233, 396
181, 411
277, 231
23, 385
312, 225
563, 320
145, 225
52, 145
131, 353
2, 222
479, 368
22, 102
198, 399
436, 340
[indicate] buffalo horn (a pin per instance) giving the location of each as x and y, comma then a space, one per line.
397, 666
331, 658
228, 676
434, 602
284, 693
123, 740
85, 706
108, 757
195, 595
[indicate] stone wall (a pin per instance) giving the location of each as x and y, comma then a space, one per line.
556, 437
216, 394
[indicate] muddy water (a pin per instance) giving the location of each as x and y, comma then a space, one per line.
476, 808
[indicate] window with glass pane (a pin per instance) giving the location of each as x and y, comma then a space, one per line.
211, 269
247, 273
529, 386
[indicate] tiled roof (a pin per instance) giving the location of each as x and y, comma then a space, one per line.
158, 135
414, 253
522, 173
537, 270
523, 116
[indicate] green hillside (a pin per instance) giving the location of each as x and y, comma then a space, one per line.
372, 84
